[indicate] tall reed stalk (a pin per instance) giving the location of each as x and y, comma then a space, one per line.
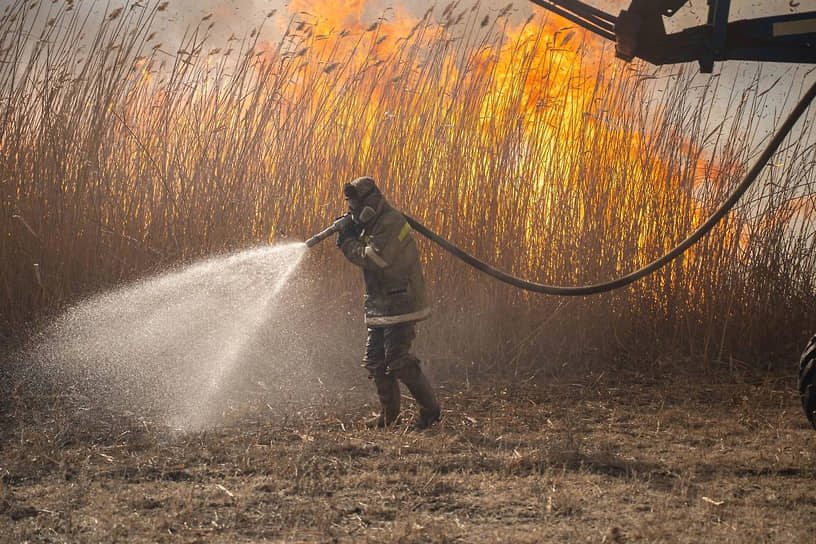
531, 147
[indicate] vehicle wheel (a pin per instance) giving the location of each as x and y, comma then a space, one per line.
807, 381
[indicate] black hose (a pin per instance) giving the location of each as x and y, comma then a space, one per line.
701, 231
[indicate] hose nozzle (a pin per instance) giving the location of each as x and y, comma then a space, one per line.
337, 226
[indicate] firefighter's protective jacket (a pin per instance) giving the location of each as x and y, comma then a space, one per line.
387, 252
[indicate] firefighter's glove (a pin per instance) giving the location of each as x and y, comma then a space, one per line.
349, 231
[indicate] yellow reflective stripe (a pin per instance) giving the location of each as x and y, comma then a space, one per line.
404, 232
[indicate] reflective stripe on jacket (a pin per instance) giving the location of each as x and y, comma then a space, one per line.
388, 255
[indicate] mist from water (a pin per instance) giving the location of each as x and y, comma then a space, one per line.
263, 332
174, 344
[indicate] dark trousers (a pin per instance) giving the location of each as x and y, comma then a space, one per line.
388, 358
388, 349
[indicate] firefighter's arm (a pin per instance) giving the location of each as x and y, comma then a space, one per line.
382, 245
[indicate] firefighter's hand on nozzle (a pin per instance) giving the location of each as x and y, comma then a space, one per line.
350, 229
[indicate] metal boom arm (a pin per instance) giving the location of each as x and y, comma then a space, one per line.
639, 32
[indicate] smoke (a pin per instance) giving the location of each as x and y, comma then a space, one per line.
178, 17
236, 18
239, 17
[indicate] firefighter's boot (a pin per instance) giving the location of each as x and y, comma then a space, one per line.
420, 388
389, 394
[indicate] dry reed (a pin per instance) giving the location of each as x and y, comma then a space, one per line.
529, 147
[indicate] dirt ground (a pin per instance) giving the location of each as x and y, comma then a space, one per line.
595, 459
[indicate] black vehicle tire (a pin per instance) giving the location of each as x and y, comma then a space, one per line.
807, 381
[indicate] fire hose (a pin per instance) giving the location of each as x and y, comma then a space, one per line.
807, 363
625, 280
658, 263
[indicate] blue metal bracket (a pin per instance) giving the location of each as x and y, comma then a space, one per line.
639, 32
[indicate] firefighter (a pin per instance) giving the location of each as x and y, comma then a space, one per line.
379, 241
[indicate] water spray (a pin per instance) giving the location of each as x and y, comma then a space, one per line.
182, 345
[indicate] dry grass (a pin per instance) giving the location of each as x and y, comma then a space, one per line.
592, 459
529, 147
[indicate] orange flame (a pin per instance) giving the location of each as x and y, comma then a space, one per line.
346, 72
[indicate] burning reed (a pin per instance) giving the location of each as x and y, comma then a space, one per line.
529, 146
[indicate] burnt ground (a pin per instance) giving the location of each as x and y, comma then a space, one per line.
634, 458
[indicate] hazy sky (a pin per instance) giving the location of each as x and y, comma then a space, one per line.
239, 17
236, 16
